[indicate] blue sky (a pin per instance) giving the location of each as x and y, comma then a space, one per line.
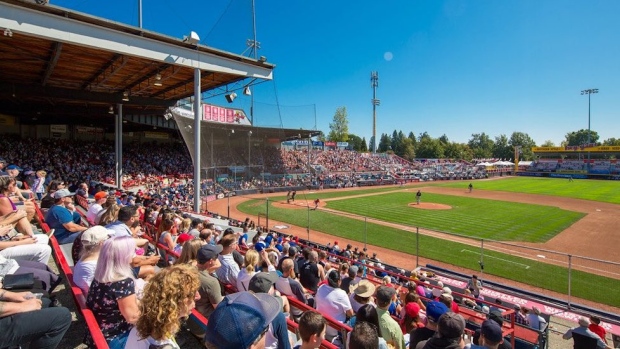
445, 67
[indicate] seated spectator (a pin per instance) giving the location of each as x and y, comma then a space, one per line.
434, 310
496, 316
23, 247
581, 333
331, 300
48, 200
84, 271
251, 262
168, 297
38, 186
277, 335
227, 273
109, 213
96, 207
40, 271
60, 218
347, 279
312, 326
127, 217
368, 313
25, 323
411, 320
189, 252
165, 235
450, 329
361, 294
312, 273
520, 315
241, 320
364, 336
389, 328
112, 294
289, 286
490, 335
536, 321
8, 210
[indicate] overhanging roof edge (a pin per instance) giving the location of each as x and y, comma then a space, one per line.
53, 27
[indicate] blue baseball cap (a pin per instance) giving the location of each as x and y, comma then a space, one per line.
240, 319
434, 310
14, 167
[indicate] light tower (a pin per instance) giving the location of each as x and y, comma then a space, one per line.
589, 92
374, 83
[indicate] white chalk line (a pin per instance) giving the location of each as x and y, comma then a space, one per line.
501, 259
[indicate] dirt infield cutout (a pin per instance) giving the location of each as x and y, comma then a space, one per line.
430, 206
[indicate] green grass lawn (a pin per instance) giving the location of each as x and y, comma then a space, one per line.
488, 219
588, 189
538, 274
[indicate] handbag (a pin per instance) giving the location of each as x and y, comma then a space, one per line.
18, 281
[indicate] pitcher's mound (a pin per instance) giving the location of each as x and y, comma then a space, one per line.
430, 206
297, 204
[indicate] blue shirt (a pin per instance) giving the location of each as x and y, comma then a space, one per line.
56, 217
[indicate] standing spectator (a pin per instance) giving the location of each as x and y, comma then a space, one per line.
583, 331
390, 329
333, 301
168, 297
475, 286
595, 326
241, 320
536, 321
38, 187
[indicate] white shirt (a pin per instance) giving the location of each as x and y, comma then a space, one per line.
243, 280
333, 302
83, 275
93, 211
134, 341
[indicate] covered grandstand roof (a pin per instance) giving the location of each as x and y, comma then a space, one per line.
63, 66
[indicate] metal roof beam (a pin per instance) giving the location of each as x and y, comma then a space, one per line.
51, 64
22, 20
79, 95
110, 65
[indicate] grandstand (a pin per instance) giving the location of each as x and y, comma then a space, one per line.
586, 162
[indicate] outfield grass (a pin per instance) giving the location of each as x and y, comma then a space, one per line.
481, 218
587, 189
537, 274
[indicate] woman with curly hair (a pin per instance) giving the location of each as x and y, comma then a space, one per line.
168, 297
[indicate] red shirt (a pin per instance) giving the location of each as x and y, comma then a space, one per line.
600, 331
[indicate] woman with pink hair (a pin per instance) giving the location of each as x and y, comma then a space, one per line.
112, 296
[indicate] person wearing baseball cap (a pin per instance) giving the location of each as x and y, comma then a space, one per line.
263, 282
490, 336
61, 219
450, 329
241, 321
390, 329
96, 207
84, 270
434, 310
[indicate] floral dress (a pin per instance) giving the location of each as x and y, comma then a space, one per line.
103, 301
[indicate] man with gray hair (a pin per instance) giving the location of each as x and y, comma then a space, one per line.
581, 335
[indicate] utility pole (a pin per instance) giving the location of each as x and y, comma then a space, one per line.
374, 83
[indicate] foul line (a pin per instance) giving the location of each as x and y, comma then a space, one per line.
501, 259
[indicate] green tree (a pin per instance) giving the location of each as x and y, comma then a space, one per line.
548, 143
355, 142
430, 148
364, 147
611, 142
501, 148
444, 139
481, 145
413, 139
581, 137
384, 143
523, 140
339, 128
407, 148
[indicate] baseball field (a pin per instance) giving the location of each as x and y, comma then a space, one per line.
512, 225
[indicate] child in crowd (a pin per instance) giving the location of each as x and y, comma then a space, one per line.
312, 327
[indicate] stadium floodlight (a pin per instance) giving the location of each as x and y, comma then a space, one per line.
247, 91
262, 59
589, 92
157, 80
231, 97
192, 38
